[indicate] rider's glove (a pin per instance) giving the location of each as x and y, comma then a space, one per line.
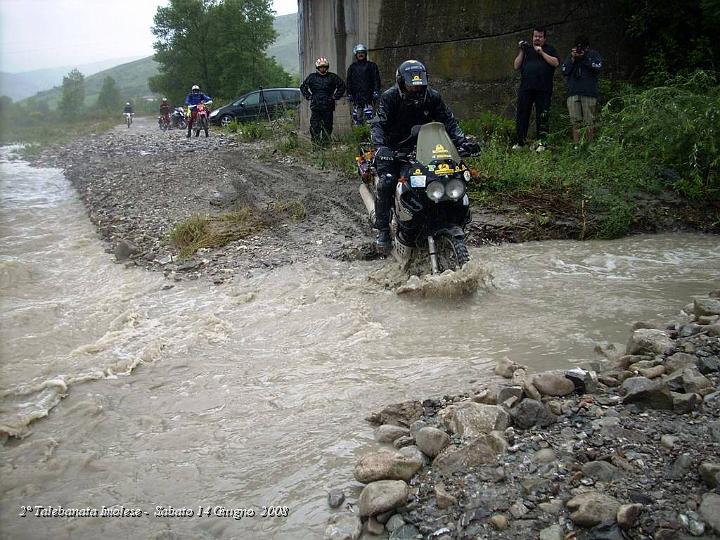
469, 148
349, 98
376, 94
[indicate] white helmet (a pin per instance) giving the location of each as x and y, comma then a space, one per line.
195, 87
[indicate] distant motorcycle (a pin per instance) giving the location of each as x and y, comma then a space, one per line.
177, 118
128, 118
201, 117
164, 122
431, 207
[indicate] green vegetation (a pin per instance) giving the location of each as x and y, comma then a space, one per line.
73, 94
285, 47
663, 139
219, 45
109, 99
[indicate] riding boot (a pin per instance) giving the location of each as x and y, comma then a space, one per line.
188, 133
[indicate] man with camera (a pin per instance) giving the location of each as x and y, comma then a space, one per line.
537, 63
581, 70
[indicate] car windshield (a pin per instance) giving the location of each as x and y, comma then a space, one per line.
434, 143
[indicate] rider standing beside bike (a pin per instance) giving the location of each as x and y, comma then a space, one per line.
194, 98
322, 88
407, 103
363, 84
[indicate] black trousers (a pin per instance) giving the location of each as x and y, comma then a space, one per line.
526, 99
321, 125
388, 171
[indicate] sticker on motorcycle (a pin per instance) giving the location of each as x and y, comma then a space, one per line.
467, 176
417, 171
443, 168
440, 152
417, 180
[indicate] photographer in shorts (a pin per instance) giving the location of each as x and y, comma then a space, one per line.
581, 69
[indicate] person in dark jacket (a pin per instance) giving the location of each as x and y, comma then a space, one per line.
407, 103
537, 63
363, 85
581, 70
322, 89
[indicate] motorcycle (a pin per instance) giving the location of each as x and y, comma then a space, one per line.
177, 118
128, 118
164, 122
201, 117
431, 207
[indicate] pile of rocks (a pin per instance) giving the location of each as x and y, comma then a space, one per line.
630, 449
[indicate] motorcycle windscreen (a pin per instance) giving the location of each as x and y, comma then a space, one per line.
435, 144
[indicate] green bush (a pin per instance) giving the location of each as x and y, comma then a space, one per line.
676, 126
489, 125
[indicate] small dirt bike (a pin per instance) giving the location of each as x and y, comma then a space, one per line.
200, 122
128, 118
431, 207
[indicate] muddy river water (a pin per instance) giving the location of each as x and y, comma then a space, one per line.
121, 393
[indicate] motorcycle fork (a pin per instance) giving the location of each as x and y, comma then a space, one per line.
433, 254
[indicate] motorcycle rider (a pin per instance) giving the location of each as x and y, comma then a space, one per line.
165, 111
128, 108
363, 83
407, 103
322, 88
194, 98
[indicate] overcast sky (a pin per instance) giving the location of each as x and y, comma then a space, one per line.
36, 34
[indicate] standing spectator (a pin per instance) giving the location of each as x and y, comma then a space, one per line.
363, 84
537, 63
322, 88
581, 70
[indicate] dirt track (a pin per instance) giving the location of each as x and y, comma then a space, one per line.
139, 182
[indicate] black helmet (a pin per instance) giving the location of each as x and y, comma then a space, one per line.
412, 74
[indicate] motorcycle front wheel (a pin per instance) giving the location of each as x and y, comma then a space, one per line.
452, 253
204, 124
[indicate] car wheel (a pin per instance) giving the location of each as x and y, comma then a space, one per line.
225, 120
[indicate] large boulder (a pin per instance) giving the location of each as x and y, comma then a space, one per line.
343, 527
398, 414
553, 384
385, 465
591, 508
706, 306
381, 496
650, 341
470, 419
454, 459
645, 392
431, 441
531, 412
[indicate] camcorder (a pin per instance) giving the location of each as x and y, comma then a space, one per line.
523, 44
580, 49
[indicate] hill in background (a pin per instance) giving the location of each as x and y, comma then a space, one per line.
21, 85
132, 78
285, 48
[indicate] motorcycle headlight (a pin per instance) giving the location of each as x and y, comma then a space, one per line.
435, 191
214, 113
455, 189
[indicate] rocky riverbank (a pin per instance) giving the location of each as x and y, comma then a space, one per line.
628, 448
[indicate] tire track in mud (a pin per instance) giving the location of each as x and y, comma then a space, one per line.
138, 183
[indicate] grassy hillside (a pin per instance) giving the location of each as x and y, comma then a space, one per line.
285, 48
131, 78
21, 85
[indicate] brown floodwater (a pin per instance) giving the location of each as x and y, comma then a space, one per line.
120, 395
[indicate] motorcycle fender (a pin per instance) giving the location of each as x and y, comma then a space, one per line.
401, 212
451, 230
